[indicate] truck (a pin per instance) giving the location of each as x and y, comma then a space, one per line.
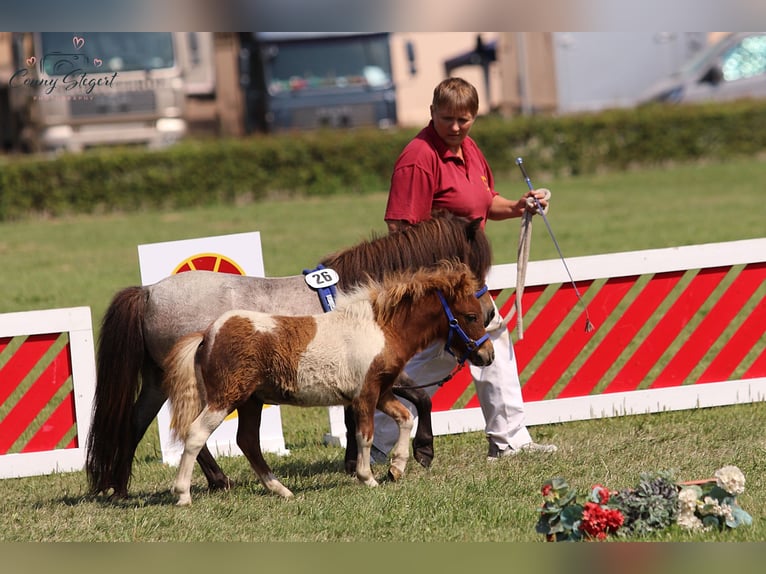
69, 90
303, 81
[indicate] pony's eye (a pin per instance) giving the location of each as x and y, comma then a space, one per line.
471, 318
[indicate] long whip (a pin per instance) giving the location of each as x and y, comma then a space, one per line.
525, 239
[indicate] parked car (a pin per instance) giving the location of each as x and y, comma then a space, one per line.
732, 68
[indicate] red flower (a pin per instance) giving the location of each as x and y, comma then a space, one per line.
603, 494
598, 521
546, 490
614, 519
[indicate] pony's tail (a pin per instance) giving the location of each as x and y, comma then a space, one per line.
181, 384
119, 358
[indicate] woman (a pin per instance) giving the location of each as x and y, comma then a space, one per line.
442, 167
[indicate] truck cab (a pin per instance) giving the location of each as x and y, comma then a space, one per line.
69, 91
301, 81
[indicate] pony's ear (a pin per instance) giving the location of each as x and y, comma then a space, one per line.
473, 226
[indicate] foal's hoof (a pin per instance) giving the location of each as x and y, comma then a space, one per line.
394, 474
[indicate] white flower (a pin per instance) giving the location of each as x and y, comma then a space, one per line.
689, 521
687, 500
712, 506
731, 479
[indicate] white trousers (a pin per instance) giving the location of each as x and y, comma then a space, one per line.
497, 388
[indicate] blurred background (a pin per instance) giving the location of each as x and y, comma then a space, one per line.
72, 91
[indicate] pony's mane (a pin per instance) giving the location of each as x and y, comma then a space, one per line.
444, 236
399, 291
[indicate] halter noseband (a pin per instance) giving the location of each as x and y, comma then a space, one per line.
455, 328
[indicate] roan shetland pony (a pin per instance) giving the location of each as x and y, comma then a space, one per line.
349, 356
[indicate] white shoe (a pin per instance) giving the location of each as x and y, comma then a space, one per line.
495, 453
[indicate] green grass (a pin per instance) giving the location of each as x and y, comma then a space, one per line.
84, 260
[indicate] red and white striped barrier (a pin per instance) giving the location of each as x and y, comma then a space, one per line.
676, 328
47, 382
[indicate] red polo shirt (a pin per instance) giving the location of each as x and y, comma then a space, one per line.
428, 176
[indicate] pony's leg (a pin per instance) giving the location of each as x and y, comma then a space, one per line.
216, 479
249, 441
199, 431
390, 405
423, 442
149, 402
352, 452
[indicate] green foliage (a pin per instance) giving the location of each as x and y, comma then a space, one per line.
206, 172
560, 514
651, 506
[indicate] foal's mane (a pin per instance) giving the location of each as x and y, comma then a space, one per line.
399, 292
444, 236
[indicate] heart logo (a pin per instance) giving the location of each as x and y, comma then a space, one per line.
31, 61
78, 42
97, 62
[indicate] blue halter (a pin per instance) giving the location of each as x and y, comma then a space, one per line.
455, 328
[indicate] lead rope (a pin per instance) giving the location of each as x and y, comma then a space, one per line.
525, 240
522, 256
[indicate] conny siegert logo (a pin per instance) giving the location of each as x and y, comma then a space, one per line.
63, 73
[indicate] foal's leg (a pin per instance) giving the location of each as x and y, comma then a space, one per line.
148, 404
364, 409
199, 431
390, 405
249, 441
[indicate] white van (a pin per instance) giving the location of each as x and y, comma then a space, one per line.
731, 69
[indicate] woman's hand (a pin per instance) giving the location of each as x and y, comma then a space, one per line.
542, 195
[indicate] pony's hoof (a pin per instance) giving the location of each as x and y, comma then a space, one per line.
424, 458
371, 482
184, 500
395, 474
117, 496
221, 484
350, 467
423, 452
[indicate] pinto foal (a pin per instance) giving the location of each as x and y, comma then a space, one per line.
349, 356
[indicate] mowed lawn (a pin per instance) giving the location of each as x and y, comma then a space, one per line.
84, 260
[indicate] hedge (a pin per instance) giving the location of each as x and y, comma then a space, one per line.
206, 171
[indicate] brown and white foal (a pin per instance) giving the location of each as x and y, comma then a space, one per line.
349, 356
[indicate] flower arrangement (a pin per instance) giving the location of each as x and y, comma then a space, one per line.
713, 503
655, 503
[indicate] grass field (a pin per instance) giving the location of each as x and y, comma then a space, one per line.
84, 260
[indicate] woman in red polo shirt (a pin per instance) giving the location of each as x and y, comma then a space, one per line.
442, 167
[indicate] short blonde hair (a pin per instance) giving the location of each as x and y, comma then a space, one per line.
456, 94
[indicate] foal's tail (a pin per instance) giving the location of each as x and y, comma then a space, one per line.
119, 360
181, 384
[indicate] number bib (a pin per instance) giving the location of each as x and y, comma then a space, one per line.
322, 278
323, 281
